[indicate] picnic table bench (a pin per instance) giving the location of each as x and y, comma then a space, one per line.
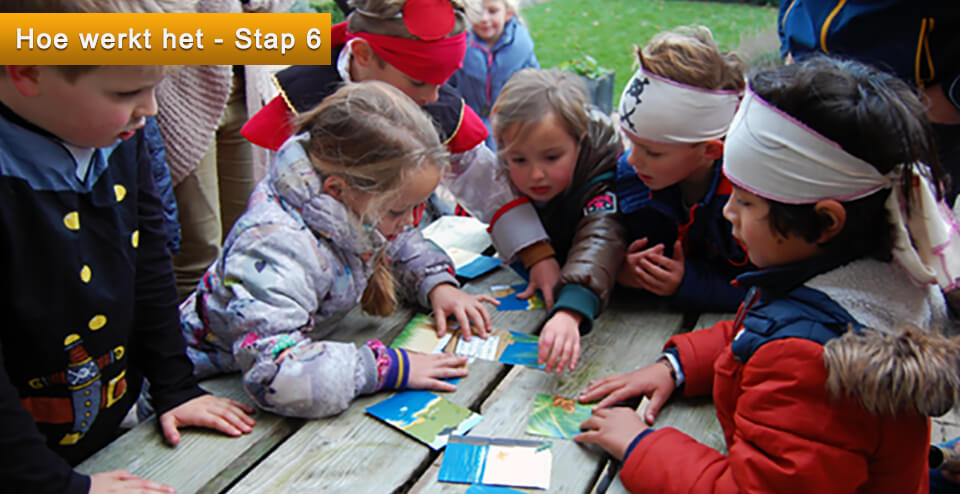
354, 452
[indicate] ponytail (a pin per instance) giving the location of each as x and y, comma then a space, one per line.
380, 296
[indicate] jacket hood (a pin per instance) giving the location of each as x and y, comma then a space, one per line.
299, 186
907, 371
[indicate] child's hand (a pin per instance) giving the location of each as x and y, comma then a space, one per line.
544, 276
611, 428
560, 341
227, 416
121, 481
427, 370
448, 299
653, 381
651, 270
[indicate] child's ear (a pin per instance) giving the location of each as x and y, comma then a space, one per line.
25, 78
714, 149
361, 52
334, 186
834, 215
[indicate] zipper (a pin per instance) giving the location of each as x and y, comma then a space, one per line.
826, 25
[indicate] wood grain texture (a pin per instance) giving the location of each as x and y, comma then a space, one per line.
630, 332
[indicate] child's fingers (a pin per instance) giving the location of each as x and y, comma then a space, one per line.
636, 245
488, 299
565, 353
575, 354
543, 348
440, 318
556, 351
485, 314
479, 321
464, 321
168, 424
613, 398
438, 385
654, 406
528, 291
678, 251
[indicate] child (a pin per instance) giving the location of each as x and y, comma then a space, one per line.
827, 161
498, 46
675, 111
416, 45
317, 238
88, 294
561, 154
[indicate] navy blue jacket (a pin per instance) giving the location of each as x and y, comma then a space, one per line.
918, 40
713, 257
485, 70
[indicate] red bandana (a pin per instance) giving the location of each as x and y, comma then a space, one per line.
432, 59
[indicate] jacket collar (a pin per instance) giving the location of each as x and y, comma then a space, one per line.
36, 156
779, 280
299, 190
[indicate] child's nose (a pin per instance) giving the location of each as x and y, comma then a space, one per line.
634, 160
430, 93
147, 107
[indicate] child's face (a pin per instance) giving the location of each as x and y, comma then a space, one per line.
397, 213
542, 162
492, 20
377, 70
99, 107
750, 216
661, 165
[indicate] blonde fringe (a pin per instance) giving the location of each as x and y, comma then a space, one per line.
380, 296
911, 370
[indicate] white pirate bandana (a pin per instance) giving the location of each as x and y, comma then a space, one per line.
774, 156
659, 109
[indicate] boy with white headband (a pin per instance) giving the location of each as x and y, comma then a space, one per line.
675, 111
835, 197
416, 46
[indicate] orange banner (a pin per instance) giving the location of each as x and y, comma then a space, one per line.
165, 39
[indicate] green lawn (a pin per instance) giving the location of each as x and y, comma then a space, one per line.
608, 29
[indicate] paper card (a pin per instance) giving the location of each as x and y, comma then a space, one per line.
491, 489
496, 461
470, 264
429, 418
507, 295
460, 232
556, 416
508, 347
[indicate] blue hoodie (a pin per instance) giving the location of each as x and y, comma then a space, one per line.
486, 70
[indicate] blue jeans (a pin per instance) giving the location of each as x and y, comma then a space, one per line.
939, 484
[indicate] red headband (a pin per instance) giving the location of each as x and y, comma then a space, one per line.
432, 62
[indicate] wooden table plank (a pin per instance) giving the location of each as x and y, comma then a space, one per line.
207, 461
696, 417
355, 452
628, 333
204, 460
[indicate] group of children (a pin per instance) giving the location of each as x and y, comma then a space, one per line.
807, 200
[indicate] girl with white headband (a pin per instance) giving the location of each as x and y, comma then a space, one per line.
675, 111
836, 199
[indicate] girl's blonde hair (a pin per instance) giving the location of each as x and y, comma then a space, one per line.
531, 94
384, 17
689, 55
372, 136
474, 10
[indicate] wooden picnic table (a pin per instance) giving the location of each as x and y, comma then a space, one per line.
356, 453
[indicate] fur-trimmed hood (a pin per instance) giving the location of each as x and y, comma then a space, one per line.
907, 371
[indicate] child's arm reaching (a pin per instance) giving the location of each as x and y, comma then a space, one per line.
425, 274
294, 376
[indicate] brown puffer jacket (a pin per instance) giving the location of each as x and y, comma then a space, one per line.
584, 222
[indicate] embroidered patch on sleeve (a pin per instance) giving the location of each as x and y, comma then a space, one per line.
603, 203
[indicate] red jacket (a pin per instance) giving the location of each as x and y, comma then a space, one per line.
784, 431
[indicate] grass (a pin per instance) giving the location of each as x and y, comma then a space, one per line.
609, 29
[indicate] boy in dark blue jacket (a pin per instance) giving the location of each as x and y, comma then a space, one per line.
671, 188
